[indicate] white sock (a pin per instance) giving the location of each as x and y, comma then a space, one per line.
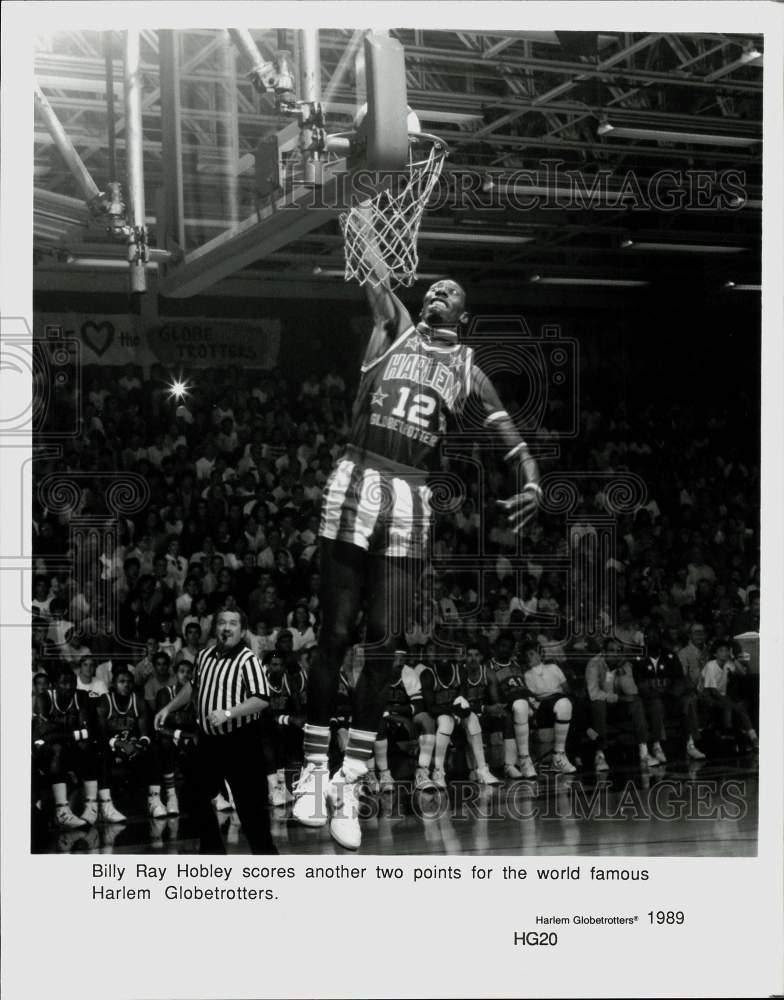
522, 731
380, 748
427, 742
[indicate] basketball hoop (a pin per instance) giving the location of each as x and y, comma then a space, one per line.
383, 230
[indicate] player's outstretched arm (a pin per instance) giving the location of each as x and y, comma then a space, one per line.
390, 316
521, 507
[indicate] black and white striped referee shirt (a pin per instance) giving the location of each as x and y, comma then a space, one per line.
223, 680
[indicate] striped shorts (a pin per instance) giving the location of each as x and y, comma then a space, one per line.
379, 511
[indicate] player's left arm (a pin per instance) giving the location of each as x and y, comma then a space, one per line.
521, 507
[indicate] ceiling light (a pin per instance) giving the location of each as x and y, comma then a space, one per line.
599, 282
456, 236
114, 263
748, 57
681, 247
660, 135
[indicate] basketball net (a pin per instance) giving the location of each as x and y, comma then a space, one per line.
380, 235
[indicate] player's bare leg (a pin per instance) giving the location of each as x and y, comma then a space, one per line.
342, 577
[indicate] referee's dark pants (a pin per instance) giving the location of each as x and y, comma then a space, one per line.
236, 757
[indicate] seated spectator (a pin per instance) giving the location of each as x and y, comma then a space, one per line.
613, 693
715, 681
664, 692
161, 677
193, 645
87, 681
201, 616
301, 625
548, 699
74, 649
42, 597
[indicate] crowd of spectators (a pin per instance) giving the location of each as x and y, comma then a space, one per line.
235, 470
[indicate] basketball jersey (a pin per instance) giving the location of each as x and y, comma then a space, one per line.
445, 691
119, 722
475, 687
297, 687
183, 718
66, 718
278, 695
509, 677
405, 396
398, 702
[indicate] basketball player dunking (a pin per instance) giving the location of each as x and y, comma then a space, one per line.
375, 521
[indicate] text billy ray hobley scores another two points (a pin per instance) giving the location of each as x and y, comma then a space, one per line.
222, 873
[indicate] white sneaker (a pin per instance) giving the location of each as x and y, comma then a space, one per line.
155, 808
371, 782
526, 768
278, 797
600, 762
485, 776
172, 803
90, 813
310, 793
512, 771
385, 781
693, 753
562, 763
422, 780
344, 809
109, 813
658, 753
647, 759
68, 820
439, 778
221, 804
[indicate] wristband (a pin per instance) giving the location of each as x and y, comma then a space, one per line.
177, 735
113, 742
533, 486
145, 740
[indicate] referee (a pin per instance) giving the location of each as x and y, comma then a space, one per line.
231, 692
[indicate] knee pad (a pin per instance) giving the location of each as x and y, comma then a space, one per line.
471, 725
520, 711
446, 725
562, 710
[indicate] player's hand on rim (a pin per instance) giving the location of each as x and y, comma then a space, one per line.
521, 508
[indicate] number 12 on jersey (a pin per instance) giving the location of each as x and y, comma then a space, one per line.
420, 410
